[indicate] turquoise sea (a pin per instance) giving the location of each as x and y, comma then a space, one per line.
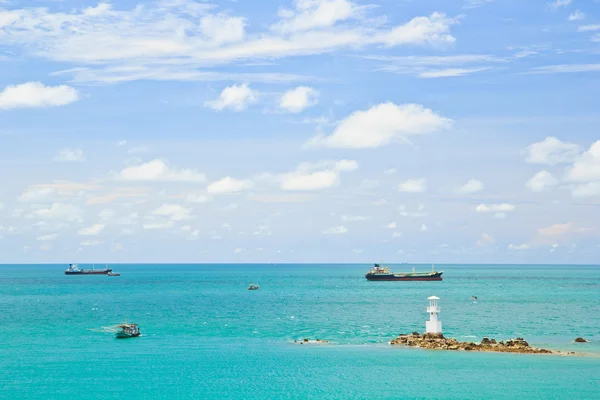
205, 336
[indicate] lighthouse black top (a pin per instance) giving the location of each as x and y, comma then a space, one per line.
380, 273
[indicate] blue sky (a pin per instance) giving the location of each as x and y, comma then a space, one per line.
300, 131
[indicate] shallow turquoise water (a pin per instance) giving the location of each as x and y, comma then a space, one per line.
206, 336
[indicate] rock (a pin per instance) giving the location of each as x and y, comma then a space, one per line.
416, 334
439, 342
580, 340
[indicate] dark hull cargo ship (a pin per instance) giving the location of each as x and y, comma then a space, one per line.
379, 273
75, 270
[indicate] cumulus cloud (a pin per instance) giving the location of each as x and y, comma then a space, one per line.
174, 212
561, 229
67, 154
311, 14
381, 125
413, 186
336, 230
68, 212
50, 236
487, 208
36, 95
541, 181
159, 170
235, 97
229, 185
314, 176
472, 186
92, 230
38, 195
485, 240
432, 30
519, 247
90, 243
391, 225
551, 151
560, 3
586, 167
113, 45
576, 16
298, 99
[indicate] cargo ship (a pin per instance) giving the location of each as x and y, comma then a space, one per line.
75, 270
380, 273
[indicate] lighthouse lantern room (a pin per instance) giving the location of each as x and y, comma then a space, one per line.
434, 325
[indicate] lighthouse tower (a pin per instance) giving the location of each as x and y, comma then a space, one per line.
434, 325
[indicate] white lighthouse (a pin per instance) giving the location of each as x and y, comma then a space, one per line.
434, 325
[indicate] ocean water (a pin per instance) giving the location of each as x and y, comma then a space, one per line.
205, 336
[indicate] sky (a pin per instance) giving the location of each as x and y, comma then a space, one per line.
439, 131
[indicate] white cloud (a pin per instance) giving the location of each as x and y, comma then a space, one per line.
315, 176
485, 240
432, 30
158, 225
238, 250
221, 28
561, 230
381, 125
121, 143
191, 233
424, 227
560, 3
336, 230
106, 214
518, 247
36, 95
551, 151
450, 72
566, 69
196, 198
229, 185
586, 167
499, 215
588, 28
472, 186
263, 230
70, 155
354, 218
235, 97
541, 181
477, 3
174, 212
298, 99
576, 16
311, 14
90, 243
436, 66
413, 186
590, 189
117, 45
504, 207
390, 171
38, 195
159, 170
92, 230
68, 212
50, 236
391, 225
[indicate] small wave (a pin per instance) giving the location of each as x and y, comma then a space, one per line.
469, 336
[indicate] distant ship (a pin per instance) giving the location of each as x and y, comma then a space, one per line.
380, 273
75, 270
